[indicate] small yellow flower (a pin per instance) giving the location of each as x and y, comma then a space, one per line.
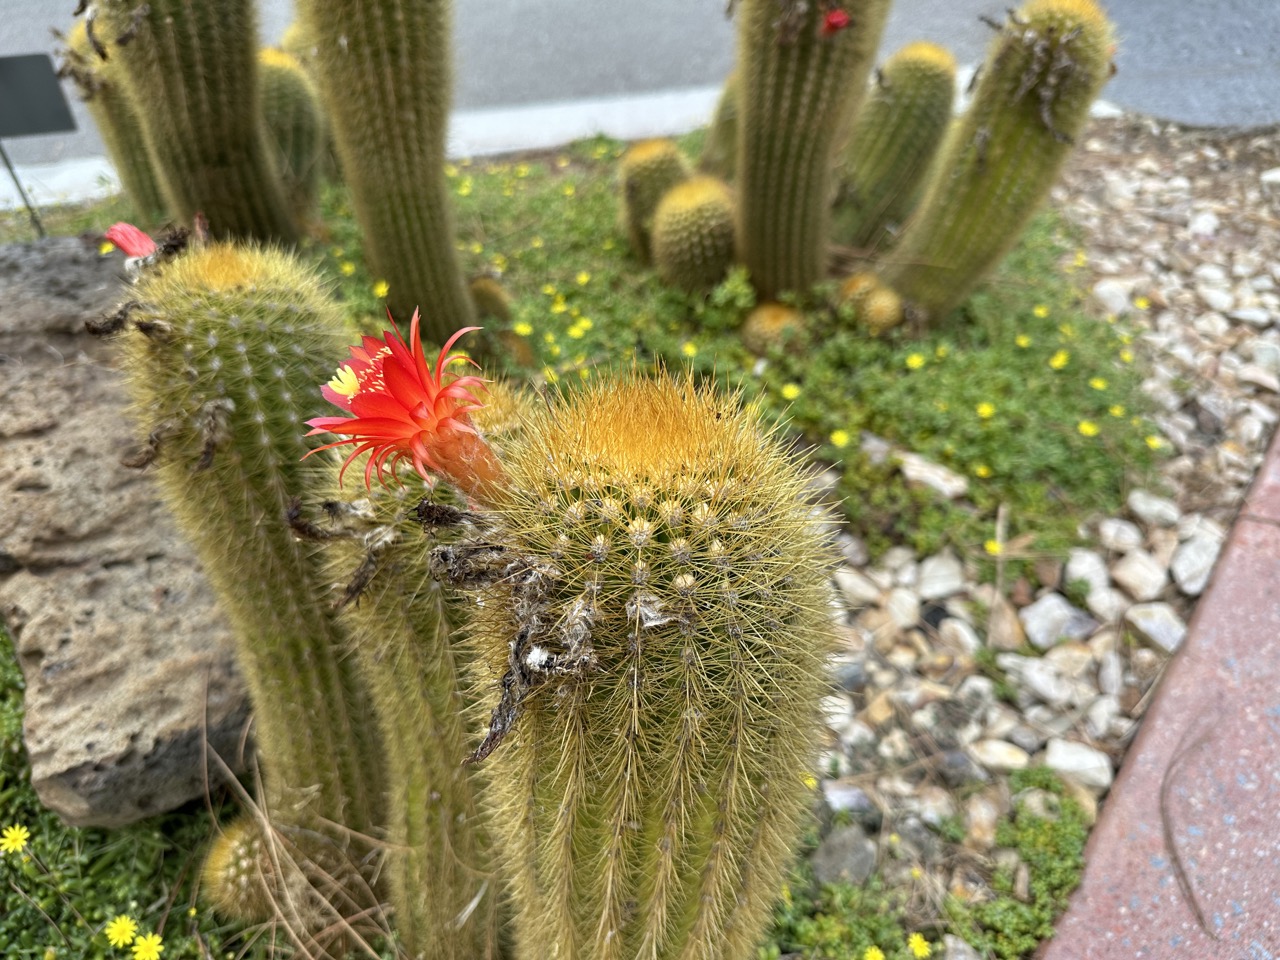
1116, 409
600, 152
583, 278
336, 252
1080, 259
1142, 303
839, 439
508, 190
608, 244
873, 953
105, 247
576, 332
982, 471
148, 947
1126, 355
993, 547
1087, 428
464, 188
689, 348
121, 931
14, 838
569, 190
1022, 340
1154, 442
536, 243
464, 162
192, 911
347, 268
562, 162
584, 373
522, 170
551, 375
1060, 359
942, 351
810, 781
915, 361
450, 170
986, 410
549, 289
1098, 383
498, 261
1040, 310
1067, 331
522, 328
586, 323
381, 289
916, 873
918, 946
554, 350
476, 247
894, 839
1125, 337
790, 391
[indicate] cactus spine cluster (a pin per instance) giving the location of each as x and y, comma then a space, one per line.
648, 170
98, 82
385, 75
693, 234
659, 624
799, 86
295, 128
224, 349
190, 73
1043, 71
896, 135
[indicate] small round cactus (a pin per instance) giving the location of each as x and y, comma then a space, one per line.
693, 234
770, 325
648, 170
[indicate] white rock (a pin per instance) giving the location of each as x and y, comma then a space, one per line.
1158, 624
999, 756
1154, 510
1107, 604
1210, 273
857, 589
1212, 325
1119, 535
1087, 565
1097, 719
1265, 353
1259, 317
1071, 659
903, 607
955, 634
1256, 375
940, 576
837, 712
1039, 677
1140, 575
932, 475
1216, 298
1052, 618
1205, 223
1110, 673
1193, 562
1082, 763
1113, 293
1270, 179
953, 948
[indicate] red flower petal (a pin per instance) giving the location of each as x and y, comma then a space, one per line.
130, 239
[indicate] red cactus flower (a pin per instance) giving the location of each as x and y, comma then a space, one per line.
835, 21
401, 409
131, 240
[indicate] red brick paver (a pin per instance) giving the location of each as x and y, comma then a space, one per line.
1185, 860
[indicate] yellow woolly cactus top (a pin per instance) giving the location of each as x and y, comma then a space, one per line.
219, 267
271, 57
696, 192
927, 54
647, 151
1085, 11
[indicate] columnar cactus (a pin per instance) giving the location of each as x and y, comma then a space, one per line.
224, 346
720, 150
655, 615
896, 135
693, 234
295, 128
190, 73
648, 170
385, 76
1043, 71
98, 82
802, 69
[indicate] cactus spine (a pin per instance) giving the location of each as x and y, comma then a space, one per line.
295, 128
98, 82
385, 75
225, 349
693, 234
720, 151
896, 135
648, 170
800, 84
1042, 72
668, 601
191, 76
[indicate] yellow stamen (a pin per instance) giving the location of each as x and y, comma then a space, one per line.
345, 382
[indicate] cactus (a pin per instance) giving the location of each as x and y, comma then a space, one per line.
295, 128
190, 73
490, 298
896, 134
770, 325
878, 308
385, 76
657, 612
99, 85
692, 236
1043, 71
224, 348
720, 150
802, 69
648, 170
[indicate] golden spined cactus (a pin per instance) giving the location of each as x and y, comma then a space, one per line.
720, 150
895, 137
190, 73
654, 612
295, 129
802, 69
877, 308
384, 69
1044, 69
771, 325
99, 86
692, 235
647, 171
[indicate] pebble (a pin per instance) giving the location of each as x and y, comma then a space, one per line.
1119, 535
1084, 764
999, 756
936, 477
903, 607
1088, 565
981, 816
955, 634
953, 948
941, 576
1141, 576
1193, 562
1153, 510
1005, 630
1158, 624
1053, 618
845, 854
857, 589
